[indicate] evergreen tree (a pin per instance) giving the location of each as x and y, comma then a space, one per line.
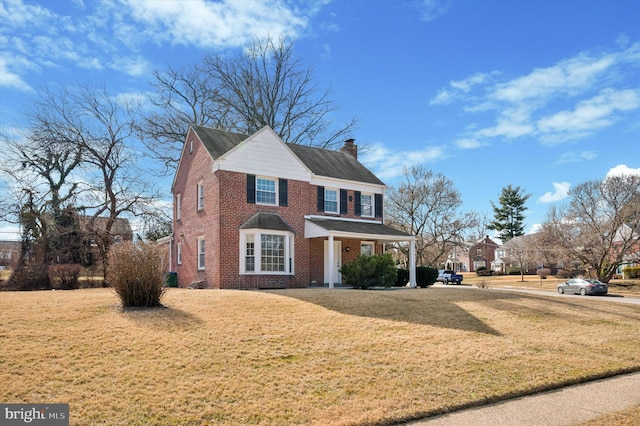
508, 215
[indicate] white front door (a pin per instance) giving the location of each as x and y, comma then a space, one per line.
337, 262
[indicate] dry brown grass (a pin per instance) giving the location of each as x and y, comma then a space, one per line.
621, 418
312, 356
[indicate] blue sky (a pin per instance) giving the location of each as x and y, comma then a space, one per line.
540, 94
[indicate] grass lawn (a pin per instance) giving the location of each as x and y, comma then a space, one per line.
312, 356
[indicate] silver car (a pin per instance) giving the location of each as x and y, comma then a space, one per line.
583, 286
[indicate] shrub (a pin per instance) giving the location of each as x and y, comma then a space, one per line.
426, 276
29, 277
135, 272
481, 268
370, 271
403, 278
513, 271
64, 276
631, 272
484, 272
543, 273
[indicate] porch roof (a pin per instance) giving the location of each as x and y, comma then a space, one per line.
318, 227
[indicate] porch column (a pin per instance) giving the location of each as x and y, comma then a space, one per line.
331, 260
412, 264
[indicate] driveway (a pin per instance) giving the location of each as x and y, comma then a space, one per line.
608, 298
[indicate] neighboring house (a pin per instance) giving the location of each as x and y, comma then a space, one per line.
256, 212
458, 258
9, 253
482, 253
92, 229
627, 242
521, 252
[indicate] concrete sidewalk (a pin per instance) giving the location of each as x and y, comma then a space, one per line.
567, 406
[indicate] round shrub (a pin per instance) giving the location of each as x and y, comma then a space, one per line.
136, 274
370, 271
403, 278
425, 276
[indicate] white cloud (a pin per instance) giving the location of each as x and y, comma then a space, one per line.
569, 100
589, 115
575, 157
561, 192
623, 170
214, 24
388, 164
12, 80
433, 9
468, 143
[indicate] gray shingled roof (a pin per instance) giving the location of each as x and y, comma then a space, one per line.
262, 220
217, 141
357, 227
322, 162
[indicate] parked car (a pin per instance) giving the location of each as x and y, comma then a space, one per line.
446, 277
583, 286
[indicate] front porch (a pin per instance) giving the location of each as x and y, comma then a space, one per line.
343, 240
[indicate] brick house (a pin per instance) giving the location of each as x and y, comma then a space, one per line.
256, 212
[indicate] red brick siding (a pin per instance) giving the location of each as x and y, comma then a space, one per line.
225, 210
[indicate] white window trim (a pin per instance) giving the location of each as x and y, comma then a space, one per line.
200, 196
179, 253
337, 191
368, 243
373, 204
178, 206
204, 253
289, 263
191, 146
276, 185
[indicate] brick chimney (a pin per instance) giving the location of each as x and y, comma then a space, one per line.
350, 148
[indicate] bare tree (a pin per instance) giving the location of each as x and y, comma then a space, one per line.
600, 225
427, 205
183, 96
38, 170
264, 85
101, 127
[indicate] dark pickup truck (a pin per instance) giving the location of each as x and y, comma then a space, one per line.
445, 277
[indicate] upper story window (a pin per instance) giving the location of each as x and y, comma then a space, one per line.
191, 146
200, 192
266, 190
366, 205
330, 200
178, 206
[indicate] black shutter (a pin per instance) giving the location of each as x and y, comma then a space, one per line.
343, 201
379, 205
251, 189
357, 206
283, 186
321, 198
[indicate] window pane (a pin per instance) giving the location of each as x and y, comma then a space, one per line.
272, 256
367, 249
249, 260
201, 254
366, 205
266, 191
331, 201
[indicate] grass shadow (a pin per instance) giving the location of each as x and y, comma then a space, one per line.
161, 317
434, 306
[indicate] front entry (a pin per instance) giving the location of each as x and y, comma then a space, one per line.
337, 262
